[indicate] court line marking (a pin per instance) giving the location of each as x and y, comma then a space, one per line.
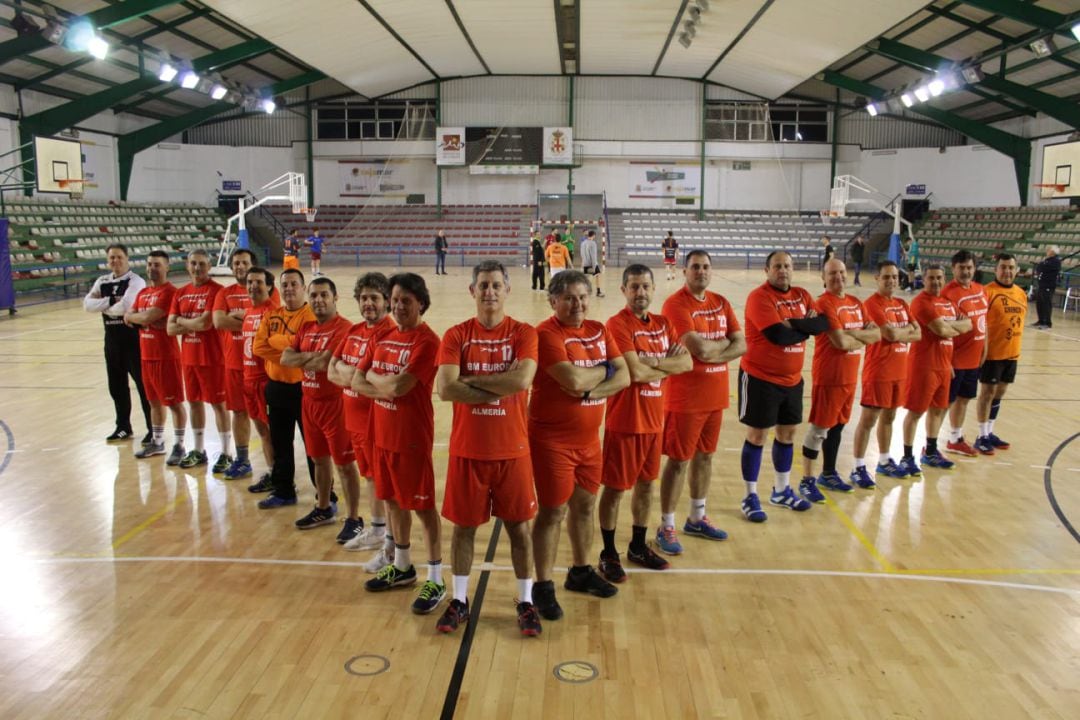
1048, 485
148, 521
859, 535
10, 446
41, 330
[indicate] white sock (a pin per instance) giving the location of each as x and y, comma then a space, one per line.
984, 429
388, 544
226, 442
525, 590
782, 481
667, 519
990, 426
955, 435
178, 436
751, 488
461, 587
434, 572
159, 434
697, 509
860, 462
402, 561
198, 439
379, 523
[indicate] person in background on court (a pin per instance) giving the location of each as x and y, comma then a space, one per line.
670, 246
160, 358
558, 258
290, 247
828, 250
536, 258
568, 241
551, 237
857, 253
1047, 271
969, 349
911, 260
315, 242
1005, 316
112, 295
440, 252
590, 260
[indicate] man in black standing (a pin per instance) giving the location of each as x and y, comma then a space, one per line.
440, 253
1047, 271
856, 254
536, 251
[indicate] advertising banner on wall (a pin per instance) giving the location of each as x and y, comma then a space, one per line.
378, 178
558, 146
665, 180
450, 146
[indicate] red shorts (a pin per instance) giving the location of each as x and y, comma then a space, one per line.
930, 390
557, 470
886, 394
830, 405
363, 450
688, 433
255, 400
204, 383
162, 382
234, 391
316, 255
669, 261
406, 478
630, 458
324, 431
477, 489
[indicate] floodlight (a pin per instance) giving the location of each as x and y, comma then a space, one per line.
870, 108
1043, 47
691, 29
205, 85
1076, 31
972, 75
685, 40
79, 34
937, 86
218, 91
703, 4
907, 100
923, 93
167, 72
268, 105
694, 12
98, 47
189, 79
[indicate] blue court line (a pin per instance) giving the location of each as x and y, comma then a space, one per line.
10, 447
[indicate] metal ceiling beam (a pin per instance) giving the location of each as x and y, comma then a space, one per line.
742, 33
961, 20
1027, 13
899, 36
670, 35
390, 29
465, 34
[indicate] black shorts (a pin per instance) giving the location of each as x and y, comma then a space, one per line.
995, 371
591, 269
763, 404
965, 384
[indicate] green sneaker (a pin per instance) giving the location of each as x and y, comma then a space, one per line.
430, 595
222, 464
193, 458
390, 577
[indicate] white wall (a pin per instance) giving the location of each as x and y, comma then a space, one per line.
171, 172
968, 175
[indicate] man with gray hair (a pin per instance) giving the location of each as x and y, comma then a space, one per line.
590, 259
1047, 272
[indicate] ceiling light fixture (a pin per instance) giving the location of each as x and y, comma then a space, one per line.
685, 39
97, 47
1076, 31
218, 91
907, 100
167, 72
870, 108
923, 93
268, 105
937, 86
1043, 47
189, 80
972, 75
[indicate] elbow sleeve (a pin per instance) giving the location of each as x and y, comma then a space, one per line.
779, 335
811, 326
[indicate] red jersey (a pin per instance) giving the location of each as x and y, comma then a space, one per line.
406, 423
640, 407
319, 337
831, 365
231, 298
933, 352
495, 430
351, 350
201, 348
886, 361
254, 366
971, 303
706, 387
555, 417
766, 306
154, 341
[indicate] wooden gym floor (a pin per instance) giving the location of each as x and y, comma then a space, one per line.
135, 591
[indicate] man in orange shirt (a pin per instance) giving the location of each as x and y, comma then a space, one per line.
558, 258
969, 349
260, 288
579, 366
694, 404
160, 358
1005, 316
835, 371
486, 366
930, 369
200, 355
779, 319
228, 317
633, 437
884, 372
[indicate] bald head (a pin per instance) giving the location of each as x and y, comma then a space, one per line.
835, 273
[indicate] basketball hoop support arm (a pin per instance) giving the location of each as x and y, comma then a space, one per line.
872, 199
292, 180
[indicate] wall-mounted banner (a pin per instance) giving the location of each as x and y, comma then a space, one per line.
664, 180
450, 146
558, 146
379, 178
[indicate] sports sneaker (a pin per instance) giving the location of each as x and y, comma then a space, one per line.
860, 476
998, 442
984, 446
194, 458
430, 595
808, 489
909, 467
377, 562
611, 568
960, 447
787, 498
119, 434
455, 614
238, 469
668, 541
647, 558
371, 538
150, 450
704, 528
176, 456
544, 598
751, 508
936, 460
528, 619
224, 462
273, 502
588, 581
891, 469
148, 438
263, 485
834, 482
318, 516
389, 577
349, 530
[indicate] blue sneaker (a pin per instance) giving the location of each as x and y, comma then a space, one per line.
891, 469
274, 501
808, 489
751, 508
704, 528
861, 477
936, 460
788, 499
998, 442
238, 469
909, 467
668, 541
835, 483
983, 446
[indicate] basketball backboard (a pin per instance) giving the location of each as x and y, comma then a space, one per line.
57, 161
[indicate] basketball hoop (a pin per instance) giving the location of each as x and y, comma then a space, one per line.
72, 186
309, 213
826, 216
1058, 187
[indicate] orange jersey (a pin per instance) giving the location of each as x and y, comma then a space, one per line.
254, 367
766, 306
640, 407
154, 342
407, 423
275, 333
319, 337
201, 348
231, 298
886, 361
557, 255
556, 418
933, 352
706, 387
971, 303
351, 350
1005, 316
495, 430
832, 366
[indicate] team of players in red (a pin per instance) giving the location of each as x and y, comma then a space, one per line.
657, 382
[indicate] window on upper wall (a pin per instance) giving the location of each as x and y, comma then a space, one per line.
399, 120
798, 123
737, 121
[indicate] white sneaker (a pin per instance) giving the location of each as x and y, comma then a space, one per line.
377, 562
371, 538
